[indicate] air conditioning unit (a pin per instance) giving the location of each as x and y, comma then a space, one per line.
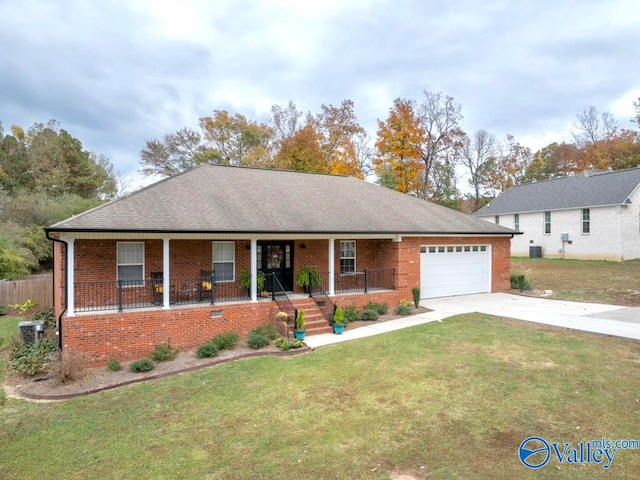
31, 331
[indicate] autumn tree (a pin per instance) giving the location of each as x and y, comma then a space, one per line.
398, 161
302, 151
286, 121
507, 167
175, 153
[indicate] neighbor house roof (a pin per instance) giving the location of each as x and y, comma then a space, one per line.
587, 189
220, 199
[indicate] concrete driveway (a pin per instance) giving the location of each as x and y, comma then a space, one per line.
589, 317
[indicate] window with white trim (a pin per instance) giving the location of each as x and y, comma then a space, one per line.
347, 257
516, 222
224, 261
497, 219
586, 221
547, 223
130, 263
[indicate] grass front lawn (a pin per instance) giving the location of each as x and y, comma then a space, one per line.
617, 283
441, 401
8, 330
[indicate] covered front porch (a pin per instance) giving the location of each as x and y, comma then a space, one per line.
133, 273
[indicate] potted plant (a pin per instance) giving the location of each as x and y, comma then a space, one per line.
338, 321
300, 330
308, 275
245, 281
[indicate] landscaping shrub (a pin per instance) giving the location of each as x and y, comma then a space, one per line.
31, 358
68, 367
208, 350
416, 296
3, 309
284, 345
47, 317
381, 308
164, 353
114, 365
267, 330
404, 308
142, 365
369, 315
226, 341
520, 282
257, 340
351, 314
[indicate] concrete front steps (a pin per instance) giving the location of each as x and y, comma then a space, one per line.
314, 319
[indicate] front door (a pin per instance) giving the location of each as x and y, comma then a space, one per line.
276, 257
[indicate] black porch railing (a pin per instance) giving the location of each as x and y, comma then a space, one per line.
363, 281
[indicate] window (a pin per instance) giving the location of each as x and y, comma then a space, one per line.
347, 257
586, 221
547, 223
497, 219
516, 222
224, 260
131, 263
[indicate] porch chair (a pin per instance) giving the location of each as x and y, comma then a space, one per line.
157, 288
205, 286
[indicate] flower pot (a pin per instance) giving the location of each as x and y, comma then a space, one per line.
338, 328
299, 334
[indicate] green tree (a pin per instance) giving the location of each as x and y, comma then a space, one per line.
175, 153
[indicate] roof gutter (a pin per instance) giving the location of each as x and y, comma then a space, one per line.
66, 287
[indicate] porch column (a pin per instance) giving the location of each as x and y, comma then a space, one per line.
70, 276
332, 262
254, 270
166, 277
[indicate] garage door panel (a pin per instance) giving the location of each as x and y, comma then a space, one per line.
455, 272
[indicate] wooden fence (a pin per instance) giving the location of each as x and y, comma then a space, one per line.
38, 288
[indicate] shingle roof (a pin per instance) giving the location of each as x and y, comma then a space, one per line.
587, 189
219, 199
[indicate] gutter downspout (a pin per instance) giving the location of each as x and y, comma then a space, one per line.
66, 288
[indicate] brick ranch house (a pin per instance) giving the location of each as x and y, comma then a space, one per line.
218, 249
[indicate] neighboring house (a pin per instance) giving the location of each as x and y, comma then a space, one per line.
594, 215
220, 248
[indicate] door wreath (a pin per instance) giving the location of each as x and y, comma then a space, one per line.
274, 254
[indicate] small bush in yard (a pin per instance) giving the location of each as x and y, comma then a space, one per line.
114, 365
415, 291
369, 315
142, 365
208, 350
31, 358
226, 341
520, 282
257, 340
47, 317
381, 308
404, 308
164, 353
267, 330
67, 367
284, 345
350, 314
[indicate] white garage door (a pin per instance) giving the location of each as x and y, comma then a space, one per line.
454, 270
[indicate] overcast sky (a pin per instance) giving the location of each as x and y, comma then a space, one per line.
117, 73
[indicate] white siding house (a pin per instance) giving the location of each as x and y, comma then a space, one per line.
598, 211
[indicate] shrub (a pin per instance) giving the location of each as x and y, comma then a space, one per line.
351, 314
257, 340
381, 308
300, 322
3, 309
416, 296
164, 353
404, 308
338, 316
284, 345
142, 365
31, 358
22, 308
68, 367
520, 282
208, 350
114, 365
267, 330
47, 317
225, 341
369, 315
